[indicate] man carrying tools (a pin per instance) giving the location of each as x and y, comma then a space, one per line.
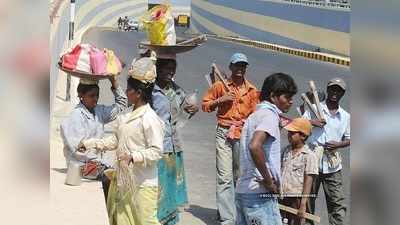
331, 133
234, 100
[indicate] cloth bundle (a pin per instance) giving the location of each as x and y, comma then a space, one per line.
143, 69
89, 59
159, 24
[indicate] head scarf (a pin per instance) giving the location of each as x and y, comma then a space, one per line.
144, 70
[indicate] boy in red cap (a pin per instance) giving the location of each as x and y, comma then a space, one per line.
299, 167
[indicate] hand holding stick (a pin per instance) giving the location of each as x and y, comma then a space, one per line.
295, 211
307, 101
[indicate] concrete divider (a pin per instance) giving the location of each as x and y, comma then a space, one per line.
345, 61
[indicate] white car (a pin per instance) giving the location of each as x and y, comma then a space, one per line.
133, 24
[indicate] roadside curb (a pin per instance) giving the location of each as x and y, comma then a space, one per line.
344, 61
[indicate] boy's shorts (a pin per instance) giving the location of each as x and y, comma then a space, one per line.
254, 209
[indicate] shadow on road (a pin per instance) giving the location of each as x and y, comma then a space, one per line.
207, 215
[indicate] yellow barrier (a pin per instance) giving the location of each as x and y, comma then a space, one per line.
339, 60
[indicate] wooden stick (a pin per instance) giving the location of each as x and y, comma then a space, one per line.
209, 80
299, 111
195, 40
316, 99
218, 73
307, 101
223, 73
295, 211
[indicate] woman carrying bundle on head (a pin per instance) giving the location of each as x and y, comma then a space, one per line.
138, 140
170, 104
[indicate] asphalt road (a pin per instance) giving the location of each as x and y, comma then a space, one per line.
199, 133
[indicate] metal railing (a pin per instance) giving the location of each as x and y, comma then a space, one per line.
321, 4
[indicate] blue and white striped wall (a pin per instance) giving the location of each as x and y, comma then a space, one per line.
275, 22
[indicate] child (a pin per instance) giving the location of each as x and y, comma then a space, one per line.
87, 120
299, 166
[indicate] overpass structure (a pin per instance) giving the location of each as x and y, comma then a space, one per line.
325, 29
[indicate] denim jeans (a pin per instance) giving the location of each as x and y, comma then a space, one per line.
253, 209
227, 174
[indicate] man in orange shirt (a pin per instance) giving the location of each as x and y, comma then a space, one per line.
234, 106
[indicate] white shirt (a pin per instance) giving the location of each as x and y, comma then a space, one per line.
82, 124
139, 133
337, 128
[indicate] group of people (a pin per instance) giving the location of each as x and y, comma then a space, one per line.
123, 24
254, 172
146, 184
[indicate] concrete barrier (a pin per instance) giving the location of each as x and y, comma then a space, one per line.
285, 23
339, 60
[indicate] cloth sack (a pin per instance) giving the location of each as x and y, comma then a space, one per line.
98, 61
160, 25
113, 66
78, 58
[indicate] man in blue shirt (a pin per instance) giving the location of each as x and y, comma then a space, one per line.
260, 151
170, 105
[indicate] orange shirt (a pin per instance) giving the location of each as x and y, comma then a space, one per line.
232, 113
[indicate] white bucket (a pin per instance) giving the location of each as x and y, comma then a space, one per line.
73, 174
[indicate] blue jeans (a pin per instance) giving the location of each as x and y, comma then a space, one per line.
253, 209
227, 157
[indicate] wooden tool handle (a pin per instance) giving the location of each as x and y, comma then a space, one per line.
316, 99
307, 101
195, 40
312, 85
295, 211
219, 74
